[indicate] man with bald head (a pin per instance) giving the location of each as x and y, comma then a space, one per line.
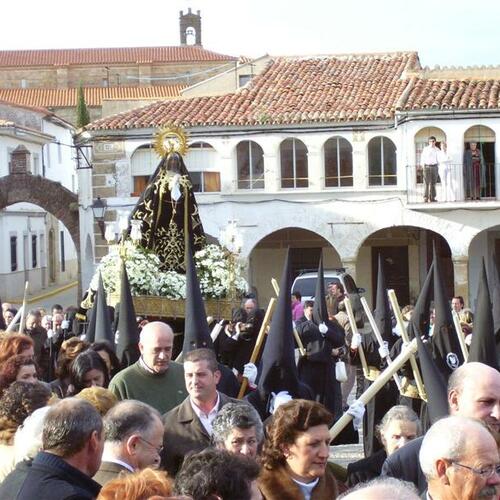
474, 392
459, 458
154, 379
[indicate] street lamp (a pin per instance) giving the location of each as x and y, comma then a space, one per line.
99, 210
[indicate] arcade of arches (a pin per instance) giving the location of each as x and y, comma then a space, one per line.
406, 251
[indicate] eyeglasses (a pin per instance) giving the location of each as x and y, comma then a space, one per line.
158, 449
485, 473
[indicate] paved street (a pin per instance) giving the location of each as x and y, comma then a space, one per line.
63, 295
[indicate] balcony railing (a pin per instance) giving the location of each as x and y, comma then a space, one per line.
452, 185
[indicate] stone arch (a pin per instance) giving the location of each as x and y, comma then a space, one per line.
267, 256
47, 194
407, 251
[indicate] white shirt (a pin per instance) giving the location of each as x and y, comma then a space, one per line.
307, 488
206, 419
429, 155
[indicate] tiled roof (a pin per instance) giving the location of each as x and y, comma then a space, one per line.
453, 94
93, 95
134, 55
290, 90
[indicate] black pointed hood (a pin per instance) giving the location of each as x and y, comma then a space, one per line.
445, 344
420, 319
483, 346
196, 330
127, 333
434, 383
103, 328
279, 371
382, 314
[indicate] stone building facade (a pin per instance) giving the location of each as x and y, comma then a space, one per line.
308, 158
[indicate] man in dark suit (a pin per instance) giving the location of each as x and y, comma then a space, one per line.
188, 427
72, 444
474, 392
133, 434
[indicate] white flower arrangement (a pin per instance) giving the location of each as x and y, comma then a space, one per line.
216, 268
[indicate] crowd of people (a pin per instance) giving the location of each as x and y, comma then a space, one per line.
76, 423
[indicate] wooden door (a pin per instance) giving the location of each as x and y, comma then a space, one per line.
395, 259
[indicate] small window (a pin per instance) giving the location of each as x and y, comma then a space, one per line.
382, 168
243, 80
140, 183
205, 182
338, 162
36, 164
250, 162
294, 167
13, 253
34, 251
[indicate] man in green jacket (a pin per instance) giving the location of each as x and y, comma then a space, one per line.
154, 379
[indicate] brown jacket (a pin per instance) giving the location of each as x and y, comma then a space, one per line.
276, 484
108, 471
184, 432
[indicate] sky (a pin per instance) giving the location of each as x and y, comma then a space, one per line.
444, 32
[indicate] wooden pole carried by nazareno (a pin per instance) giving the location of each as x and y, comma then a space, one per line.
404, 335
259, 343
405, 354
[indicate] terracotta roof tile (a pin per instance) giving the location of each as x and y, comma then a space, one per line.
454, 94
123, 55
93, 95
288, 91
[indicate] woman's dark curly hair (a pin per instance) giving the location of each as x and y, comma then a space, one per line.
288, 422
12, 344
115, 362
10, 369
19, 401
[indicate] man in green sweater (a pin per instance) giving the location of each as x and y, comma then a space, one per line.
154, 379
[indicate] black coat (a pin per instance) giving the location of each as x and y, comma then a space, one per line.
317, 367
365, 469
49, 478
403, 464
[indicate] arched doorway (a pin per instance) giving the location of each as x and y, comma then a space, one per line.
267, 257
485, 139
407, 255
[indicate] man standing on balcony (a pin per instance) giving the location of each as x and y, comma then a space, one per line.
430, 161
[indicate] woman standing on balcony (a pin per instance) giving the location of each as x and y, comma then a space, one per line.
474, 172
448, 181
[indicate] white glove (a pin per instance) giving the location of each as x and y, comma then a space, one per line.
65, 324
250, 372
356, 340
383, 350
50, 333
323, 329
235, 334
279, 399
356, 410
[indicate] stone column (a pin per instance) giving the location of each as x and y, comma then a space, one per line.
461, 276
